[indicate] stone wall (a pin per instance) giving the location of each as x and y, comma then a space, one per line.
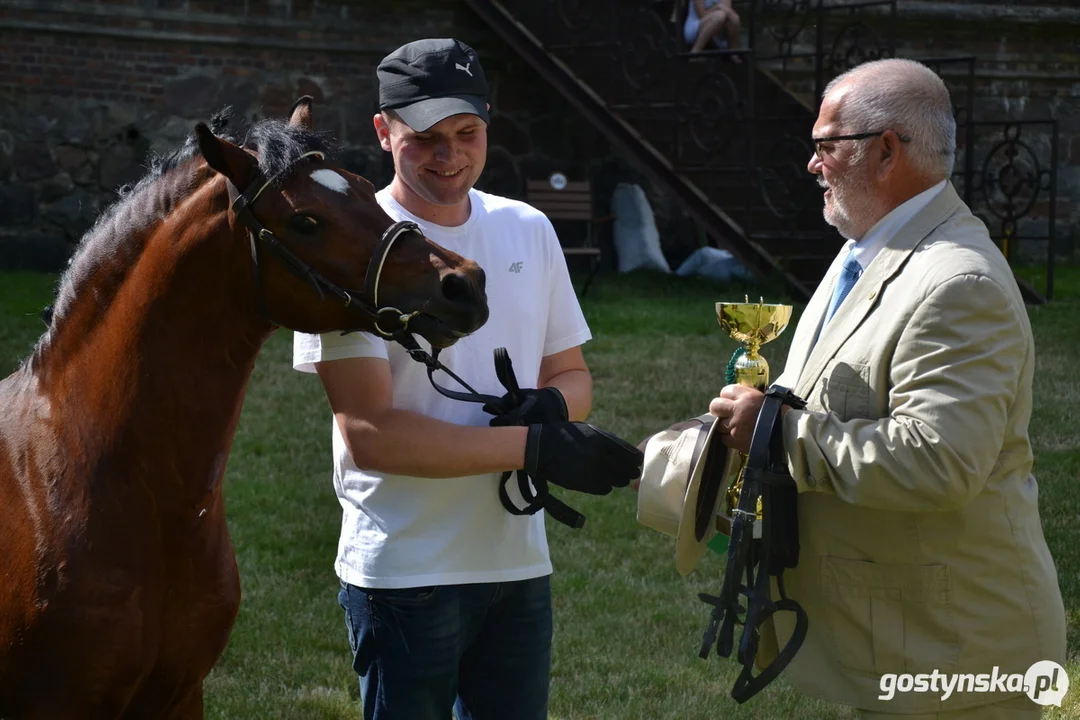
1027, 68
89, 89
1026, 63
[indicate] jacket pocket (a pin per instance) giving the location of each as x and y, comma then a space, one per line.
845, 389
890, 618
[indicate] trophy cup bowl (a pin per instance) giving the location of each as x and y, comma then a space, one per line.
753, 325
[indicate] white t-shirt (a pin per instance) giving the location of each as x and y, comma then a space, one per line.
399, 531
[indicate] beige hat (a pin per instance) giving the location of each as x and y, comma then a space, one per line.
681, 487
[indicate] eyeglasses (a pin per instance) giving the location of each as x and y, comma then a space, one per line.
818, 142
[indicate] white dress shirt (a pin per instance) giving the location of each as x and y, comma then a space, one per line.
884, 229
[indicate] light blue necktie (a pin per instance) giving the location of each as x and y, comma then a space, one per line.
849, 275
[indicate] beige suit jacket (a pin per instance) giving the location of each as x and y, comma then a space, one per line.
921, 544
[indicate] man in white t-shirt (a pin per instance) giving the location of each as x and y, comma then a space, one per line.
446, 593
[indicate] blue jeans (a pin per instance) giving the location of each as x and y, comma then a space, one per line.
483, 650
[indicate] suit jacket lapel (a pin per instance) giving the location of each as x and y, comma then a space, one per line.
806, 332
863, 296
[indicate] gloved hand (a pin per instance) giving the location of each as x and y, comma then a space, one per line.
528, 407
581, 457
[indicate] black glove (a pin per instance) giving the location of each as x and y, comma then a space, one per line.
581, 457
528, 407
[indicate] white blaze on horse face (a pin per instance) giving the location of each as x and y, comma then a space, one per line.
330, 179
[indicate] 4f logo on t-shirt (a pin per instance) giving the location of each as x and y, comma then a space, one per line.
515, 267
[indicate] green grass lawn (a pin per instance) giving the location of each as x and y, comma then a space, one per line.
628, 626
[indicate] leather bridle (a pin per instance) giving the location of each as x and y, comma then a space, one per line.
754, 558
387, 321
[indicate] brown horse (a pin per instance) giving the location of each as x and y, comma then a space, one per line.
118, 583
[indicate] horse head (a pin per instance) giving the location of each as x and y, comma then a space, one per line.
326, 257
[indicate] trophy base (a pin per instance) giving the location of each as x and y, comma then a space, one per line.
723, 525
722, 539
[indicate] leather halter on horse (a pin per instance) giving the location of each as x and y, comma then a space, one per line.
387, 320
392, 324
758, 559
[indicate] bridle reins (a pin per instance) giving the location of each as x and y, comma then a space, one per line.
386, 320
390, 323
756, 558
536, 494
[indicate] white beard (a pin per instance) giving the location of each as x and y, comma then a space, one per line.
852, 208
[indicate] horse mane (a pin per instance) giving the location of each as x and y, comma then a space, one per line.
116, 239
280, 144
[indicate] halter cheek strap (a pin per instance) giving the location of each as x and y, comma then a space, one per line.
386, 320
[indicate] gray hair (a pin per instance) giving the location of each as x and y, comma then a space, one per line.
909, 98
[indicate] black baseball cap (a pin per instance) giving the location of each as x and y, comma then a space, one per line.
427, 81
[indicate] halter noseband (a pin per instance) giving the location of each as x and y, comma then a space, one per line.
387, 321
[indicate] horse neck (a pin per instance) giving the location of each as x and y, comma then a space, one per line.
165, 366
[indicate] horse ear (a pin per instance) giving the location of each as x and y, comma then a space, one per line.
300, 115
224, 157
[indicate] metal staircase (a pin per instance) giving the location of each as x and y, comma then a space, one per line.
727, 132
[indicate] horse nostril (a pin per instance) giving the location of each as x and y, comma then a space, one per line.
456, 288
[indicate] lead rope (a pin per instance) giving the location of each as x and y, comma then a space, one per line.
536, 494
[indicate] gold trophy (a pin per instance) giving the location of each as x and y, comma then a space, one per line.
752, 324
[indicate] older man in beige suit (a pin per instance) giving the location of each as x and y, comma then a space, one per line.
921, 544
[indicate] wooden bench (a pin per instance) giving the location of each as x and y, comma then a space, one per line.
567, 201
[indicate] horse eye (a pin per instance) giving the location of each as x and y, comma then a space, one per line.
304, 224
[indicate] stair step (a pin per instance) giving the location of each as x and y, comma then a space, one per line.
745, 54
718, 136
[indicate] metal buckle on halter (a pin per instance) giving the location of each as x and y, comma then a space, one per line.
397, 316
